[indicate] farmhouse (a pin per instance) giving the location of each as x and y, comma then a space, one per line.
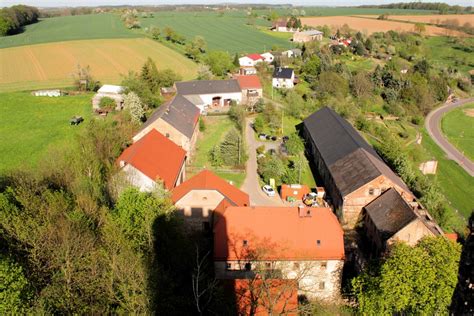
177, 119
299, 243
389, 218
197, 198
281, 26
250, 60
307, 36
283, 78
292, 53
267, 57
353, 173
153, 158
210, 94
251, 89
293, 192
247, 71
110, 91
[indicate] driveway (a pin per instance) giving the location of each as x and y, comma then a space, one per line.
251, 184
433, 125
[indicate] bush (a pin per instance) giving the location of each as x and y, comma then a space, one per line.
464, 85
107, 103
417, 120
202, 124
261, 149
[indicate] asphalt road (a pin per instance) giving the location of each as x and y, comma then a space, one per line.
433, 125
251, 184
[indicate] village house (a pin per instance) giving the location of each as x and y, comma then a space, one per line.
307, 36
281, 26
250, 60
177, 119
247, 71
267, 57
283, 78
292, 53
153, 158
251, 89
110, 91
353, 173
200, 196
389, 218
297, 243
293, 192
210, 95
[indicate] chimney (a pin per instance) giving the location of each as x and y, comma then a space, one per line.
304, 211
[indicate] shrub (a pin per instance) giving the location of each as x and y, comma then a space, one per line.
202, 125
107, 103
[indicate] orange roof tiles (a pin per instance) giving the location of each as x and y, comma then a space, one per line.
156, 157
277, 233
255, 56
207, 180
249, 82
296, 192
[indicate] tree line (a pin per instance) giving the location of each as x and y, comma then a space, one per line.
13, 19
442, 8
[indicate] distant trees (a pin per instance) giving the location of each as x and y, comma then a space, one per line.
14, 18
83, 79
419, 28
219, 62
130, 18
195, 48
293, 23
411, 280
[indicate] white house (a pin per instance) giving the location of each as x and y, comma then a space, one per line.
267, 57
247, 71
283, 78
210, 94
250, 60
292, 53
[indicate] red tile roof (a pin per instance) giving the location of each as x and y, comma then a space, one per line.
155, 156
279, 296
296, 192
207, 180
451, 236
249, 82
255, 56
278, 233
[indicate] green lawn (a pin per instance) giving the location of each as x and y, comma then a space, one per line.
459, 128
30, 125
228, 32
94, 26
216, 129
443, 53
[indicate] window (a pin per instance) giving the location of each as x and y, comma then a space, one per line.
204, 198
318, 242
228, 266
248, 266
268, 265
322, 285
371, 191
324, 265
167, 135
245, 242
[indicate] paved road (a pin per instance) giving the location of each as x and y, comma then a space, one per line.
251, 184
433, 125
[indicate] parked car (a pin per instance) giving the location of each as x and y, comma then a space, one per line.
269, 137
274, 138
268, 190
262, 136
76, 120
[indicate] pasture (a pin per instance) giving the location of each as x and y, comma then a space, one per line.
66, 28
53, 64
444, 52
228, 32
372, 25
30, 126
458, 127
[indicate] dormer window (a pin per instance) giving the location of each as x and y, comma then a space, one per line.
318, 242
371, 191
245, 243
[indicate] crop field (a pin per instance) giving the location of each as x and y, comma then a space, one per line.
370, 25
458, 126
53, 64
336, 11
57, 29
228, 32
30, 126
431, 19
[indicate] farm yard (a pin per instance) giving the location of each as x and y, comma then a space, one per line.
66, 28
227, 32
53, 64
41, 125
372, 25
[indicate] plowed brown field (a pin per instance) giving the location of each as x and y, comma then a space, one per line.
53, 64
369, 25
432, 19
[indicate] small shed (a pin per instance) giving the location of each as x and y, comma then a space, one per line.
293, 191
307, 36
47, 93
110, 91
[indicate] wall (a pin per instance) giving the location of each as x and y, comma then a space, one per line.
282, 83
411, 233
207, 98
197, 206
253, 99
309, 274
247, 62
136, 178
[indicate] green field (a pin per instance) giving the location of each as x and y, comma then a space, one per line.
30, 126
335, 11
228, 32
216, 129
459, 128
443, 54
94, 26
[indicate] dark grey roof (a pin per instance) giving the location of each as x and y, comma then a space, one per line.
179, 113
389, 213
350, 159
283, 73
207, 87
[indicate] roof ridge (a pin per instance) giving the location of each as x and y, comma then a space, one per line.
366, 153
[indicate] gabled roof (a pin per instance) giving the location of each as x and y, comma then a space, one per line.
207, 87
390, 213
207, 180
283, 73
249, 82
280, 23
350, 159
109, 88
179, 112
255, 56
277, 233
310, 32
156, 157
